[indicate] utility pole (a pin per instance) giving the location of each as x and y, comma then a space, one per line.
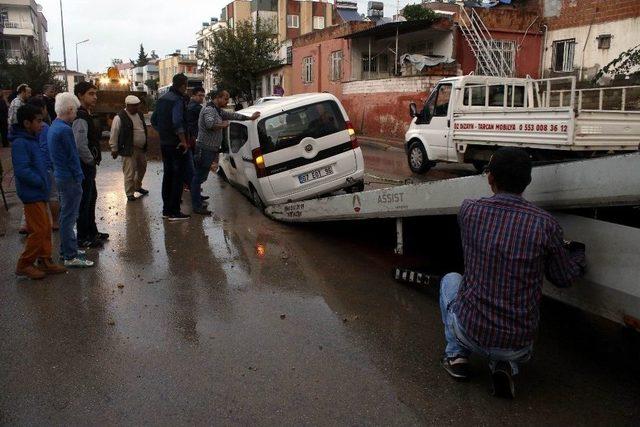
77, 61
64, 49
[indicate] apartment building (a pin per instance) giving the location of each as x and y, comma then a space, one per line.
176, 63
22, 26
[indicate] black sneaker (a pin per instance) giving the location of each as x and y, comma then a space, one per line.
178, 217
502, 378
95, 243
204, 198
102, 236
132, 198
457, 367
202, 211
143, 191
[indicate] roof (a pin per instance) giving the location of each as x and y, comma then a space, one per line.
286, 102
349, 15
403, 27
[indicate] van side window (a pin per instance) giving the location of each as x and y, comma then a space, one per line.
289, 128
496, 96
515, 96
442, 101
238, 136
478, 96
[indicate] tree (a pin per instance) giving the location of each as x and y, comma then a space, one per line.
152, 84
31, 69
237, 56
143, 58
415, 12
625, 66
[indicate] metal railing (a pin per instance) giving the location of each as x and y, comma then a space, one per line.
618, 98
491, 60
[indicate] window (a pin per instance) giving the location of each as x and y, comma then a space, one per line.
318, 22
442, 101
230, 22
293, 21
478, 96
515, 96
496, 96
289, 55
366, 62
289, 128
563, 51
503, 53
604, 41
336, 65
238, 136
307, 69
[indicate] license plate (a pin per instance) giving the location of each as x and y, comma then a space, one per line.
315, 174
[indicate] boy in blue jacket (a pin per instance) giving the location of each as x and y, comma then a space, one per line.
33, 186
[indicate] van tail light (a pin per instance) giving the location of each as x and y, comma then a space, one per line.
352, 134
258, 161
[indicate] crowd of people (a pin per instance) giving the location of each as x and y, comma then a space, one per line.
55, 146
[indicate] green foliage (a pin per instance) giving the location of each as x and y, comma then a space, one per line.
143, 58
31, 69
152, 84
415, 12
627, 64
238, 55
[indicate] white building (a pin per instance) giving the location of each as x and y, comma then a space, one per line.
73, 78
140, 76
22, 26
204, 38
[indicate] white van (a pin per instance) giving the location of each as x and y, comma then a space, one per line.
301, 147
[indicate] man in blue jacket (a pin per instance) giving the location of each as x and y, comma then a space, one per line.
68, 175
32, 186
168, 120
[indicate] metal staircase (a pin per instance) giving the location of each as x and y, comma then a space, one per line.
491, 60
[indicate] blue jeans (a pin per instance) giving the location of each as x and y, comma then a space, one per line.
202, 161
459, 344
70, 194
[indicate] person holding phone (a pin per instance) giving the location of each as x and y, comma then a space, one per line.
168, 120
509, 246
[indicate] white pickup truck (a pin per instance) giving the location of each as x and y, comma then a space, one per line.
466, 118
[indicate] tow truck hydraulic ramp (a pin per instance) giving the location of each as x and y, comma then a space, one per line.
611, 287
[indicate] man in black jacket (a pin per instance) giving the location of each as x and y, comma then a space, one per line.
87, 136
129, 141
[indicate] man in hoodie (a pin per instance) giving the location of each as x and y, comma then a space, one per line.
32, 186
87, 137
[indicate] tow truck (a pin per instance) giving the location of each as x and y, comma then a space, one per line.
595, 199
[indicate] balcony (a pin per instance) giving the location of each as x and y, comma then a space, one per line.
12, 53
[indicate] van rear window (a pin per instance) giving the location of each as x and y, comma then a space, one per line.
289, 128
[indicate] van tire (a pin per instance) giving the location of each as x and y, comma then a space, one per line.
255, 199
417, 157
221, 174
479, 165
356, 188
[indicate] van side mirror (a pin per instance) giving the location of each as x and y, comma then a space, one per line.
413, 110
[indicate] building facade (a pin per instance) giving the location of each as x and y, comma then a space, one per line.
585, 35
204, 39
177, 63
23, 26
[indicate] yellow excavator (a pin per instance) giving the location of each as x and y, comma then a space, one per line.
112, 91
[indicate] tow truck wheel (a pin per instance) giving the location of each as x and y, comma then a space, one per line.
480, 165
418, 160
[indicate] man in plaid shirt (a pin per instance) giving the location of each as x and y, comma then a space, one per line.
509, 246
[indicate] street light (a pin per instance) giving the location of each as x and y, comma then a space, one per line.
77, 62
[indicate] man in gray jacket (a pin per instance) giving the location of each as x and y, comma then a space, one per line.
211, 124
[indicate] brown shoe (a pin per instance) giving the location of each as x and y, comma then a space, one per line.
31, 272
49, 267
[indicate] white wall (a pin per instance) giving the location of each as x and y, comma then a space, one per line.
625, 35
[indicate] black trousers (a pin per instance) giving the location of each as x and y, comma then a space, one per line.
4, 130
87, 228
175, 165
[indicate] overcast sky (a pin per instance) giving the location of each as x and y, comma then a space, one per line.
117, 27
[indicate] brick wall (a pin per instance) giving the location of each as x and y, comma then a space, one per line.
575, 13
398, 85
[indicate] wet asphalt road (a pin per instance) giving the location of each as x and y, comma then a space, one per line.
236, 319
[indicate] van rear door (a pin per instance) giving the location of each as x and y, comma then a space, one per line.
306, 146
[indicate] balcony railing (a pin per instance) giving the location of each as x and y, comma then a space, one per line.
11, 53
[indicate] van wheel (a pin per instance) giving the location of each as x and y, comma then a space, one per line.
418, 160
480, 165
221, 174
256, 200
357, 188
